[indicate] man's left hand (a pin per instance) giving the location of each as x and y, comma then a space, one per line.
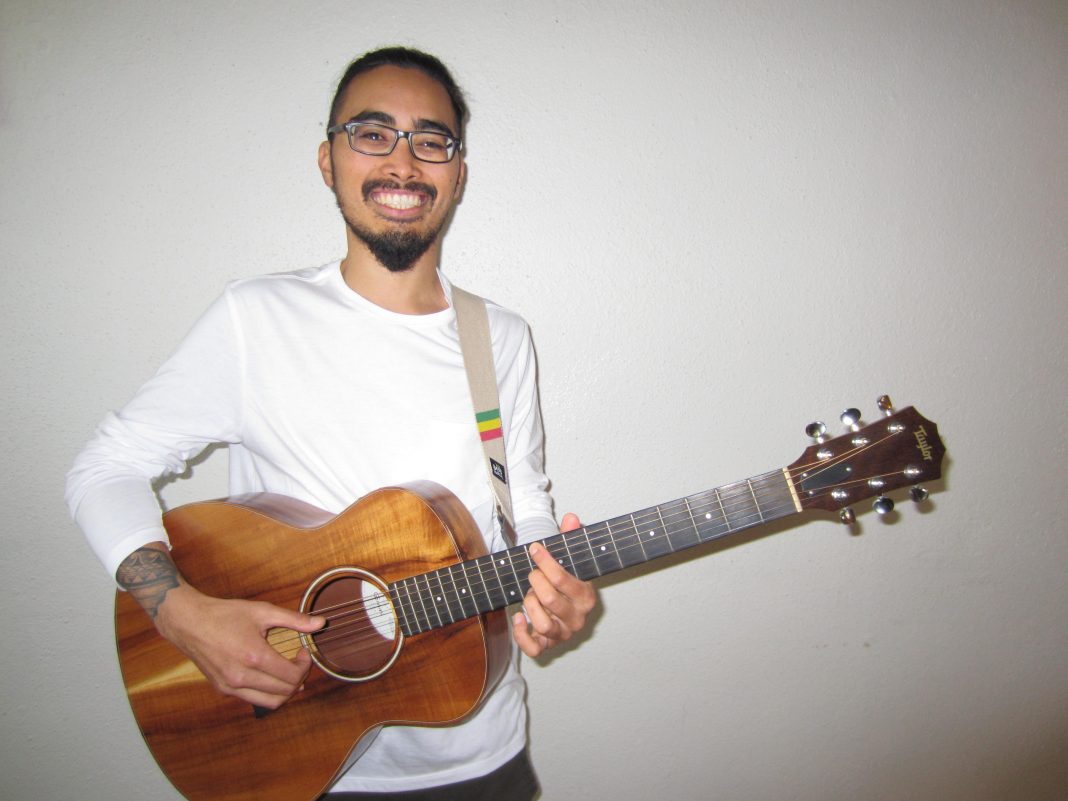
556, 605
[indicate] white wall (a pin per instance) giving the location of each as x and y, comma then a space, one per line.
723, 220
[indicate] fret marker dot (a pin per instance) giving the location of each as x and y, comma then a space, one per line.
463, 592
708, 515
652, 533
501, 562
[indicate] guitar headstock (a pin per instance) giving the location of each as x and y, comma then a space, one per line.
901, 449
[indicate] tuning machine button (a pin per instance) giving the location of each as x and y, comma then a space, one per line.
883, 505
817, 431
886, 406
918, 494
847, 516
850, 419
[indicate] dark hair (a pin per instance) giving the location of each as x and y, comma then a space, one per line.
406, 58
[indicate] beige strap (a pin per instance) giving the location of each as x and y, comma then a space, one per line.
472, 322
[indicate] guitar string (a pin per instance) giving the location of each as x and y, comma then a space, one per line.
717, 491
627, 539
628, 531
483, 572
450, 585
381, 606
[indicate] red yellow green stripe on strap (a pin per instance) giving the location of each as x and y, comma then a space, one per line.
489, 424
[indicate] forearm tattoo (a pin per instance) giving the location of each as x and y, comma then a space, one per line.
148, 575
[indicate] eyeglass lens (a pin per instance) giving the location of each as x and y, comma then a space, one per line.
378, 140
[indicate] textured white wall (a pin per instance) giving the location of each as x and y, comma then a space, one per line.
723, 220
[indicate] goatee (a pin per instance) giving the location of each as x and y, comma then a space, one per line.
397, 249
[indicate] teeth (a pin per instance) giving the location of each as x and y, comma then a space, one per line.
404, 201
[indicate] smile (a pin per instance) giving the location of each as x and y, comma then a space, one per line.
398, 200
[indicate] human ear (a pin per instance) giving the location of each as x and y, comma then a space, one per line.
461, 178
326, 164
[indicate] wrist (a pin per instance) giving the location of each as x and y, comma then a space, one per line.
149, 574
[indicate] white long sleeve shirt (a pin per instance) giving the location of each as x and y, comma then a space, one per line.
324, 396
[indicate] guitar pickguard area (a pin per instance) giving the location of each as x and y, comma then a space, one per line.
362, 637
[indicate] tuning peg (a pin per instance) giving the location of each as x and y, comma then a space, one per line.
885, 405
850, 419
883, 505
816, 430
918, 494
847, 516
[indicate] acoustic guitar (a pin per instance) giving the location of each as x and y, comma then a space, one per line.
417, 633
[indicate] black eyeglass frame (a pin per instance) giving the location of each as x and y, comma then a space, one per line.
452, 144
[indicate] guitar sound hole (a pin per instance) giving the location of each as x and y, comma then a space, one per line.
360, 639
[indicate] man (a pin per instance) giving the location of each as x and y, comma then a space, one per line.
329, 383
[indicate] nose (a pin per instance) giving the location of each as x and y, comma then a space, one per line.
402, 163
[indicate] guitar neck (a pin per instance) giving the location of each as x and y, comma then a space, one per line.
494, 581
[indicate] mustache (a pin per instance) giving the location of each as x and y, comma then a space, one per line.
371, 185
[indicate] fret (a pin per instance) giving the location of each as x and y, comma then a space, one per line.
418, 619
680, 526
515, 590
652, 535
499, 599
778, 500
605, 553
722, 510
405, 604
422, 599
711, 521
665, 529
526, 565
402, 613
591, 559
463, 592
444, 596
738, 505
431, 599
479, 590
693, 520
557, 548
570, 566
628, 554
582, 558
756, 503
638, 537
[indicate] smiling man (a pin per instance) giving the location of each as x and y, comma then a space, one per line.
397, 201
328, 383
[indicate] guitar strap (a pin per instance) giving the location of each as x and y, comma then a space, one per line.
472, 322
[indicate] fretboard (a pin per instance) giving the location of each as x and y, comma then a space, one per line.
494, 581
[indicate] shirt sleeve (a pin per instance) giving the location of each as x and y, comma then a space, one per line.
531, 503
192, 401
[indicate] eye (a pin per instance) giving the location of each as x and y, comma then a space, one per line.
369, 135
432, 143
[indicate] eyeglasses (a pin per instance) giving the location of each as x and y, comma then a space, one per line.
374, 139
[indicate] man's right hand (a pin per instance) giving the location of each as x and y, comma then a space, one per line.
226, 639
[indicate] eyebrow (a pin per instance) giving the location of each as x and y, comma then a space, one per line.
421, 124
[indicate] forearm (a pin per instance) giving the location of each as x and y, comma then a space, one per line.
148, 574
193, 400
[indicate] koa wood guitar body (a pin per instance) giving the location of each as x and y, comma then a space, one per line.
272, 548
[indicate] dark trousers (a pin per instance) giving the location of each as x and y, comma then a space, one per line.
512, 781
